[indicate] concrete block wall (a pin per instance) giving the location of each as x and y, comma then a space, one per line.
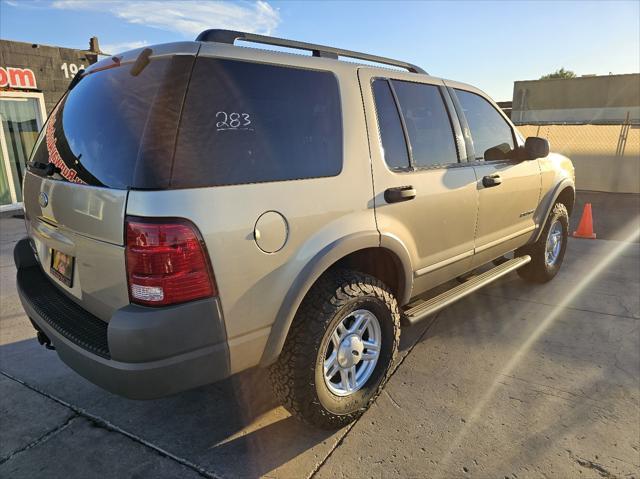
608, 99
46, 62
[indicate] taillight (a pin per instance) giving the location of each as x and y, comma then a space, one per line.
166, 262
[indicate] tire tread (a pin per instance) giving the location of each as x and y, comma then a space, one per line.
296, 364
537, 271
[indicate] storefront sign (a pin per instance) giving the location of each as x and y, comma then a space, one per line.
22, 78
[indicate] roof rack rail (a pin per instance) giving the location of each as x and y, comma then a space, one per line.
230, 36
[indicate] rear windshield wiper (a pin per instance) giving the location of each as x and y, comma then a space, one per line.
43, 169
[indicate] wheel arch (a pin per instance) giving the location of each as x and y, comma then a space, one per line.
363, 252
563, 192
567, 197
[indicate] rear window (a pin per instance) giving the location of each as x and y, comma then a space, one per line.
249, 122
176, 124
116, 129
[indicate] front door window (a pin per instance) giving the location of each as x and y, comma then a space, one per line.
492, 135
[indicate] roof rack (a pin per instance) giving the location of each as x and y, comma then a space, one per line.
230, 36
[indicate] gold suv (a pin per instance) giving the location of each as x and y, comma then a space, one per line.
196, 209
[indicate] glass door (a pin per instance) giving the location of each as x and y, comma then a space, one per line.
7, 194
21, 117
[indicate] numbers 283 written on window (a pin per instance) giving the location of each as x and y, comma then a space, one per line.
233, 121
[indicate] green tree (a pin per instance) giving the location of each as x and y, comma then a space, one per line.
561, 73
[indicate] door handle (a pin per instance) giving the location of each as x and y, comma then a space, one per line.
399, 194
490, 181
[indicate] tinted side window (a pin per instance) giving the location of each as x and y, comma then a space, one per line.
492, 136
428, 125
248, 123
394, 145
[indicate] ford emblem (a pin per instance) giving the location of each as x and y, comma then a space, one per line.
43, 199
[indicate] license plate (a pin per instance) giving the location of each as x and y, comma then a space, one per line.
62, 267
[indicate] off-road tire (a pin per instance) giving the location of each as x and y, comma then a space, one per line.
538, 271
297, 376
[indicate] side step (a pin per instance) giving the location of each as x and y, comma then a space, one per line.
430, 306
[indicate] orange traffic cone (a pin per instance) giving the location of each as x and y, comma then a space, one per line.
585, 228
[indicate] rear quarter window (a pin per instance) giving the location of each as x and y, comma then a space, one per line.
248, 122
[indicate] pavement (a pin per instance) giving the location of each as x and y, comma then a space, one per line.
613, 213
514, 381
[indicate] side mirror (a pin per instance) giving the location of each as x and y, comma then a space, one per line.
536, 147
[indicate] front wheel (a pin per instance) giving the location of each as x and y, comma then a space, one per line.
339, 351
548, 252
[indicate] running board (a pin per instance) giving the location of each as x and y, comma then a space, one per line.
430, 306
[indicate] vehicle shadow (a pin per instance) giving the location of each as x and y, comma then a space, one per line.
232, 428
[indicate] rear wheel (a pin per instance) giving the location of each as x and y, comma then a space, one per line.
548, 252
339, 350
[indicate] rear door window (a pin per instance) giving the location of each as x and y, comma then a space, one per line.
428, 124
249, 122
492, 135
392, 138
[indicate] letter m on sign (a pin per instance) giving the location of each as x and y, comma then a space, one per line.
21, 78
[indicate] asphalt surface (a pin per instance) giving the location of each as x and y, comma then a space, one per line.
514, 381
613, 213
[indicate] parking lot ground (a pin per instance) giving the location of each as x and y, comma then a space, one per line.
514, 381
612, 213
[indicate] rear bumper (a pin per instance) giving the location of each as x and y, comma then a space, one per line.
142, 353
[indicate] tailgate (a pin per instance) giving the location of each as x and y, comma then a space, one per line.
113, 130
86, 224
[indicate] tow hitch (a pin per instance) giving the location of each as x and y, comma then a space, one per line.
43, 339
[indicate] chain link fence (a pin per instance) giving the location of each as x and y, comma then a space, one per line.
606, 157
607, 141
